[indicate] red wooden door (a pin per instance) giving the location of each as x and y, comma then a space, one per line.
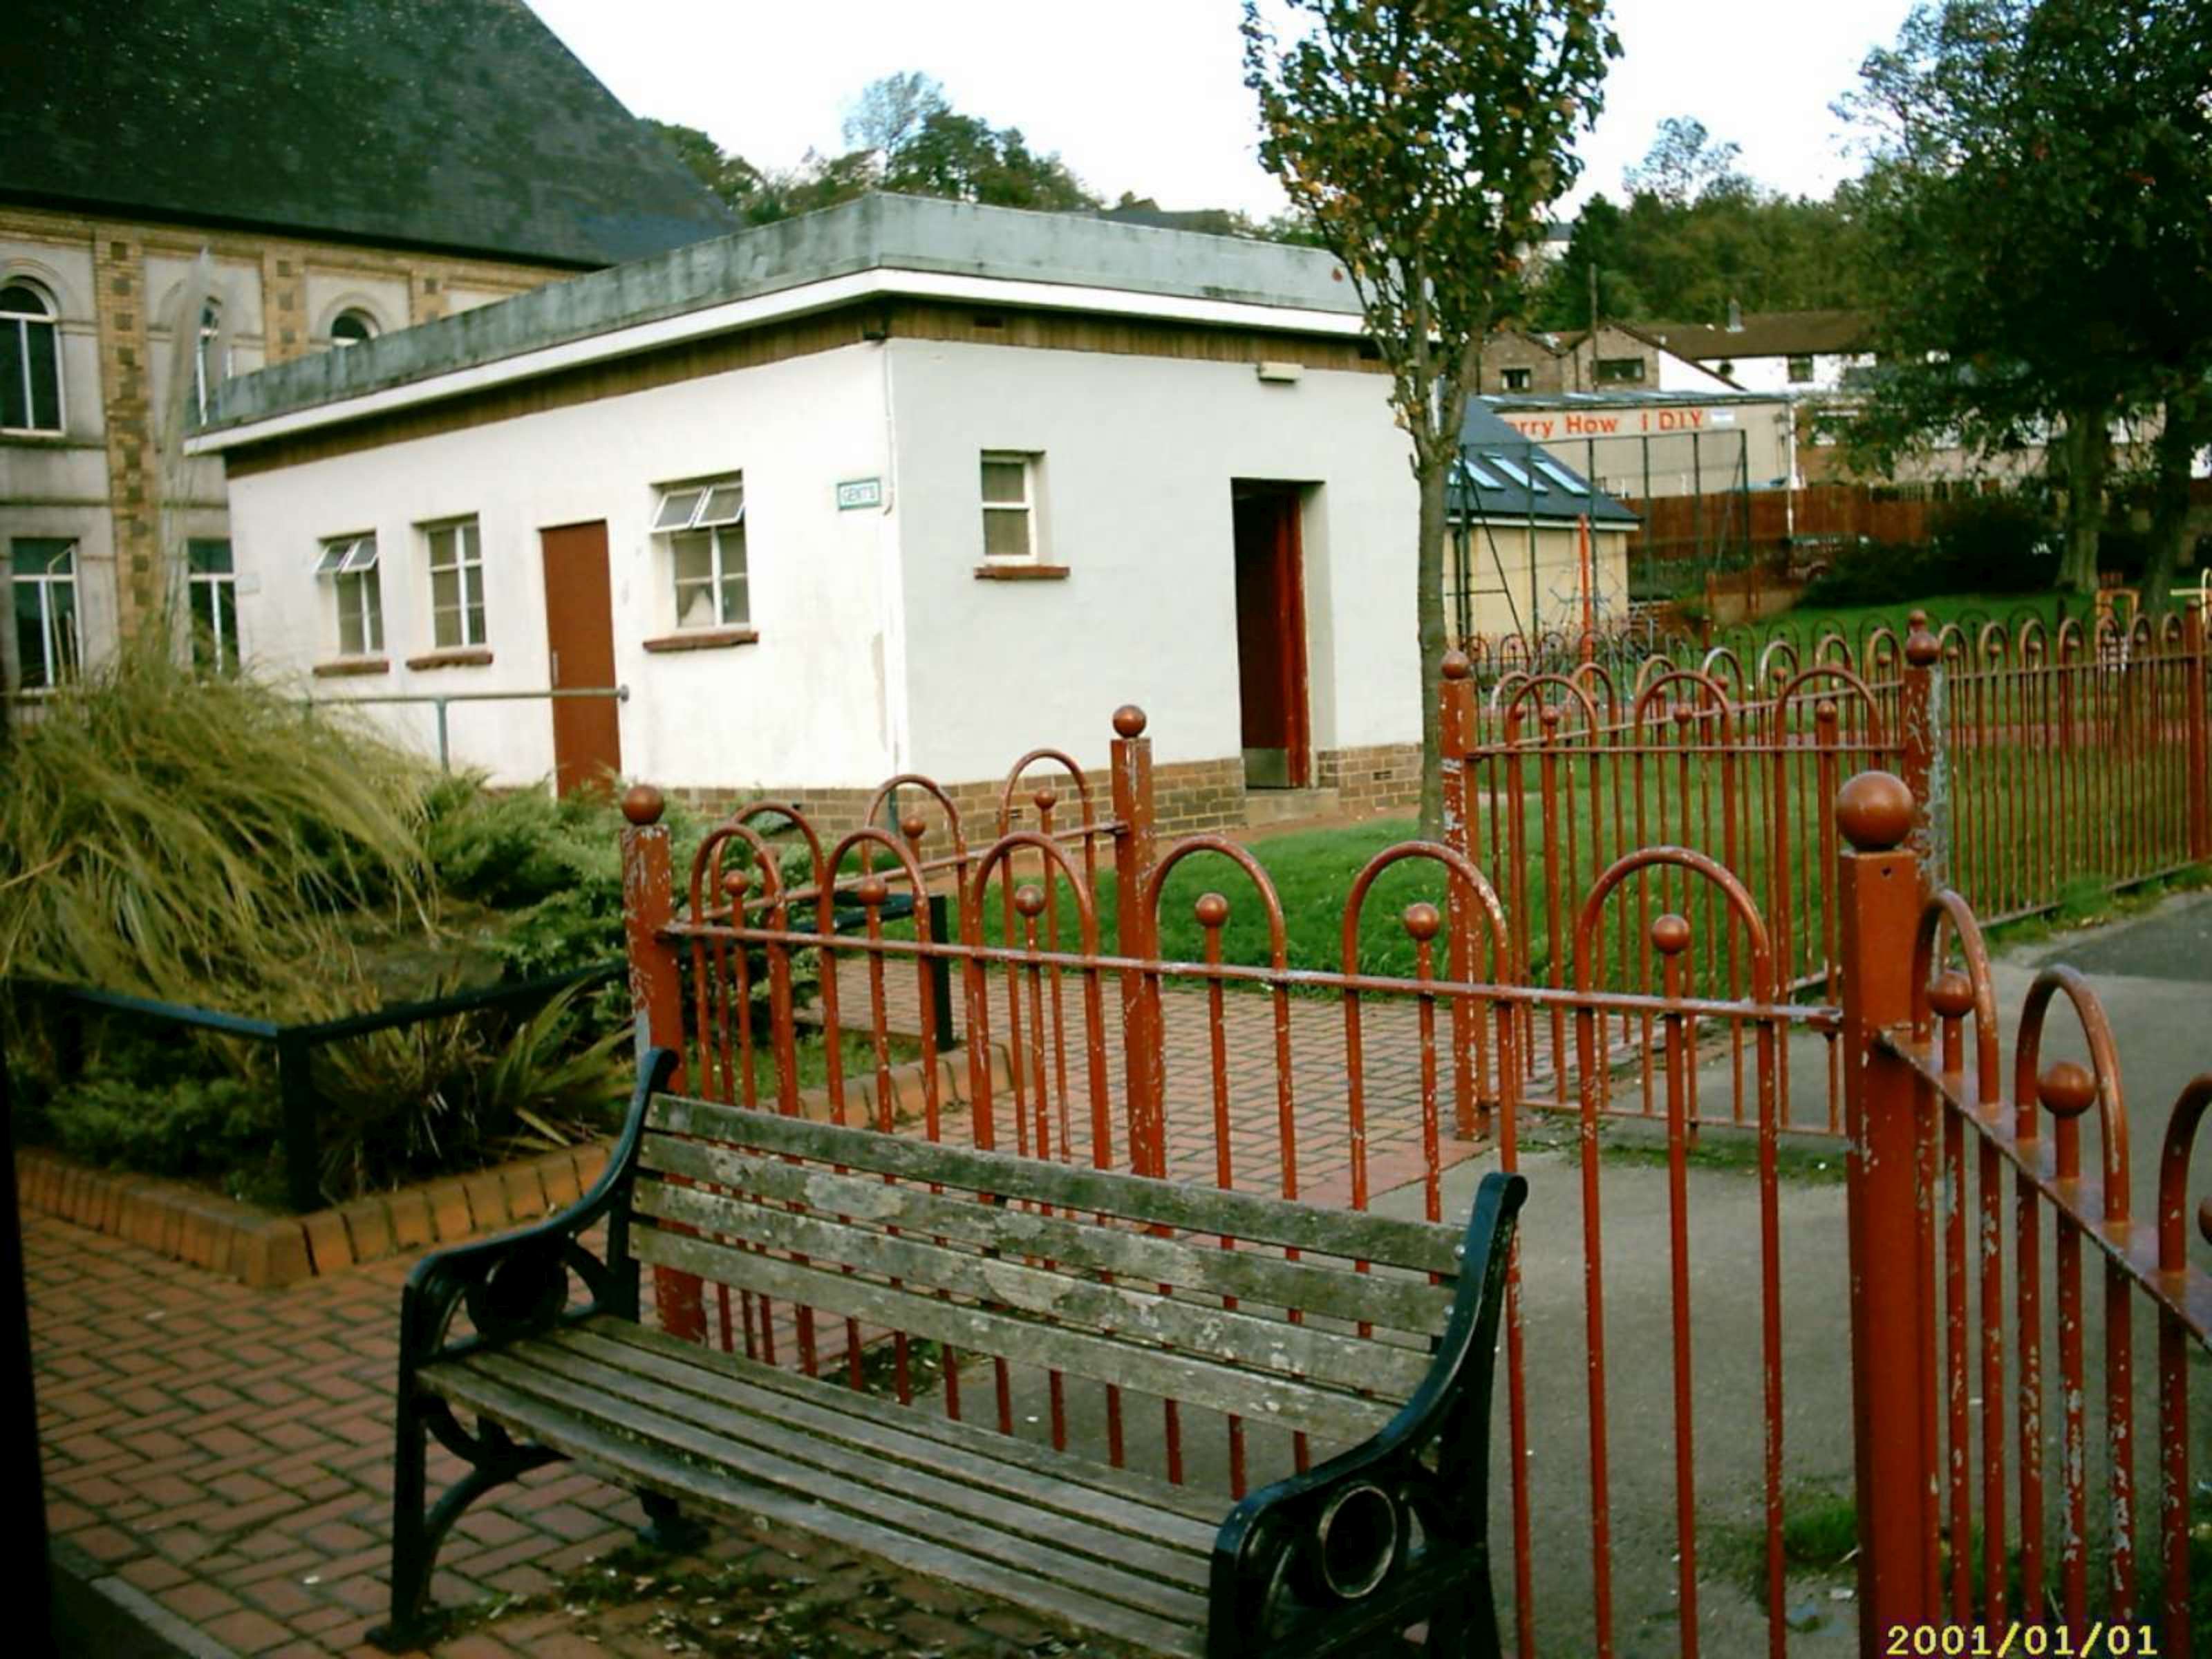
1271, 636
580, 633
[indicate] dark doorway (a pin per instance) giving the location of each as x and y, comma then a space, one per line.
1271, 635
579, 634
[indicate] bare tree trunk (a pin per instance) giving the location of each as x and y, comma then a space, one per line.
2087, 448
1433, 473
2179, 440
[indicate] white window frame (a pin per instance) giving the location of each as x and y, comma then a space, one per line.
714, 508
1027, 506
464, 539
1641, 377
56, 664
221, 587
1516, 379
349, 563
22, 321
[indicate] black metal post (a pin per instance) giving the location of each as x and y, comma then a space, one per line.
296, 1098
30, 1616
940, 974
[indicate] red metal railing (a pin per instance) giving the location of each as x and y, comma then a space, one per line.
1943, 1152
1661, 988
2054, 761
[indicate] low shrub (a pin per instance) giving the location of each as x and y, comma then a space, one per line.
2001, 544
1876, 572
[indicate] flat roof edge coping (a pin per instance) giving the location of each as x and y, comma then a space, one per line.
877, 232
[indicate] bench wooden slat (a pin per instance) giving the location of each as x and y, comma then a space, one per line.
1387, 1300
1120, 1312
1197, 1508
981, 1457
782, 1435
602, 1446
1426, 1246
1266, 1398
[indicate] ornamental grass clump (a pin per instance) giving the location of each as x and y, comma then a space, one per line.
199, 841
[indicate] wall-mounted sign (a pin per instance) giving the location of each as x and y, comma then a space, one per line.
860, 492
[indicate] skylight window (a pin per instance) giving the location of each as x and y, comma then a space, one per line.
1513, 470
1471, 470
1560, 476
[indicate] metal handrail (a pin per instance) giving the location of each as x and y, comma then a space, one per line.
441, 699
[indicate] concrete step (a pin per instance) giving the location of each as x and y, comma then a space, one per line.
1263, 806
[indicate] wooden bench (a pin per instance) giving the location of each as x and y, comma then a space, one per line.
1093, 1273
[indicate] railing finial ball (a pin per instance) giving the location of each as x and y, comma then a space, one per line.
1671, 934
2067, 1090
1456, 667
914, 826
1952, 995
1921, 647
1029, 899
1875, 810
1212, 910
1423, 920
642, 805
871, 890
1129, 720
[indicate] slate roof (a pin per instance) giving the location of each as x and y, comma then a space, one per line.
1768, 334
1504, 475
464, 125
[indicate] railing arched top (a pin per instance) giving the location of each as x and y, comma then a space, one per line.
2142, 631
1881, 646
1278, 944
1715, 657
2071, 643
2172, 630
1831, 643
2029, 1084
1654, 666
1455, 863
1769, 660
1822, 673
1057, 862
1710, 869
2173, 1156
1708, 689
707, 878
928, 787
1594, 670
1035, 756
1952, 643
1946, 907
1995, 643
1505, 684
2032, 636
869, 834
1535, 686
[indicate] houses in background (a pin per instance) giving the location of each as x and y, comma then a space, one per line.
894, 487
191, 189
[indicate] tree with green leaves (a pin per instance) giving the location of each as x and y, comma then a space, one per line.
2037, 220
1422, 140
1685, 164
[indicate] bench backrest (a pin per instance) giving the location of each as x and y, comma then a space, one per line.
1311, 1319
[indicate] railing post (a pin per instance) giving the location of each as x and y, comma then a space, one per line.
1471, 1113
295, 1101
2200, 803
1132, 784
656, 994
1892, 1370
1920, 695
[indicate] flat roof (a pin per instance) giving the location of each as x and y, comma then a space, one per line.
878, 245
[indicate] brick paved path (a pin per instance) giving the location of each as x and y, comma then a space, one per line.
227, 1453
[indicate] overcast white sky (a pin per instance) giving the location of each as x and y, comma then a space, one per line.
1148, 95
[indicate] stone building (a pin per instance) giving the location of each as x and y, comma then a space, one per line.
191, 189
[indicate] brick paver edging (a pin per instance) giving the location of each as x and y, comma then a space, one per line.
268, 1250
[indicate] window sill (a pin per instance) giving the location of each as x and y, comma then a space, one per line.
703, 639
342, 667
462, 656
1021, 573
34, 434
